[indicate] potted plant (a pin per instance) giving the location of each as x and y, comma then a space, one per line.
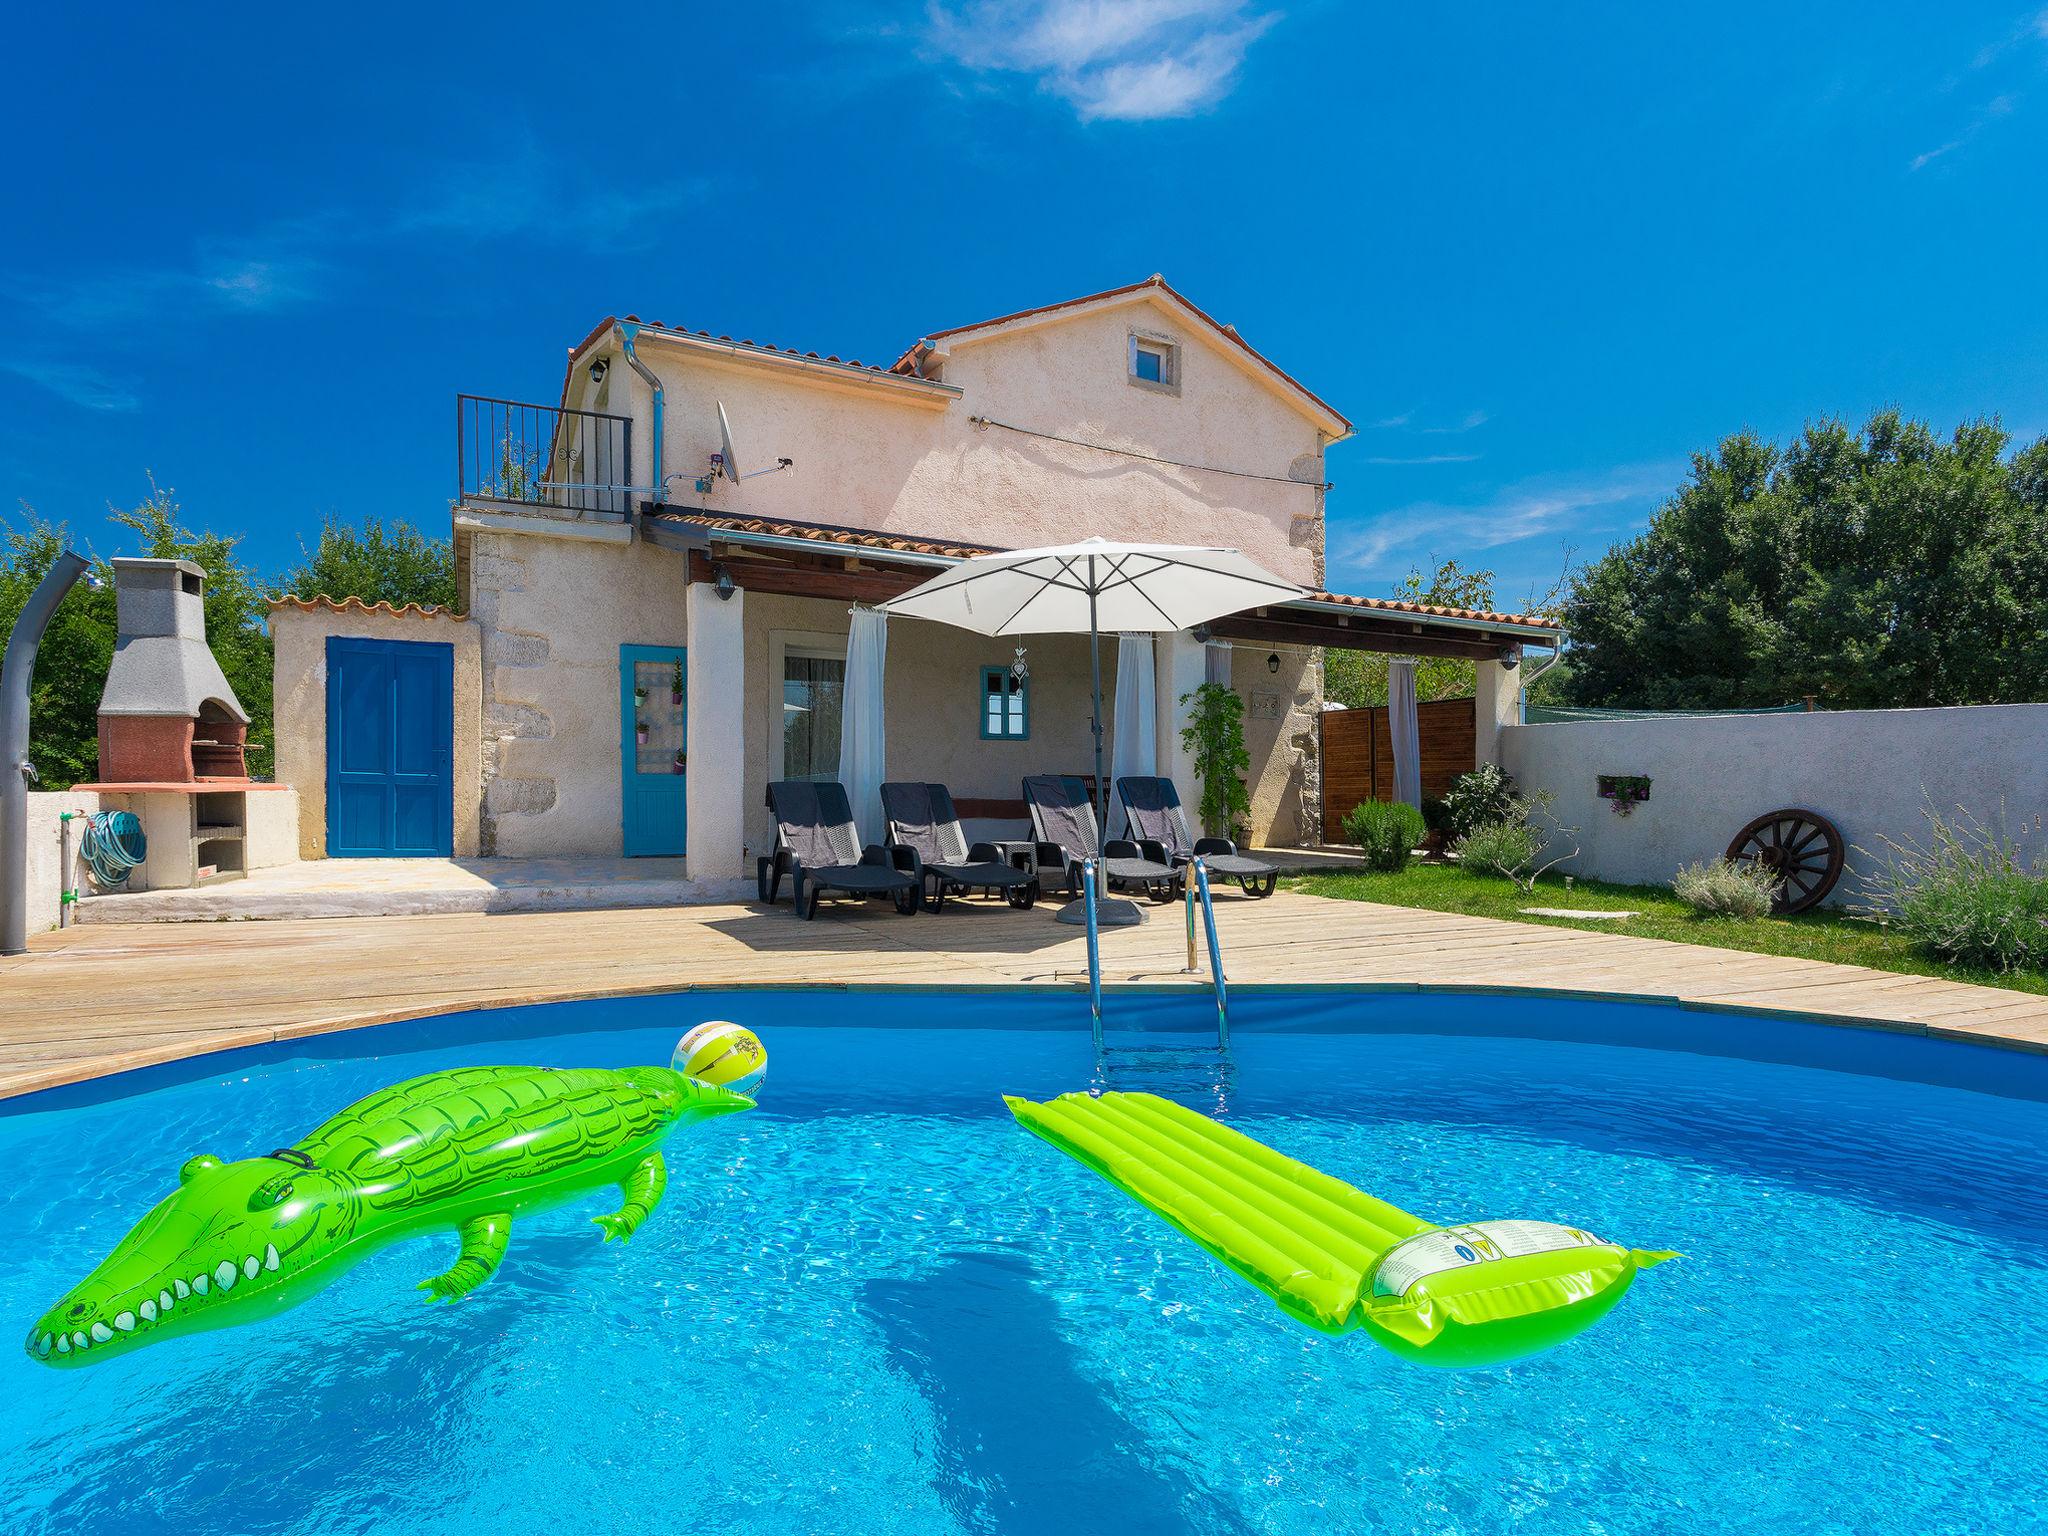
640, 733
675, 686
681, 763
1624, 791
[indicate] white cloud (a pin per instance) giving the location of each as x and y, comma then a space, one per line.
69, 380
1546, 504
1113, 60
1465, 423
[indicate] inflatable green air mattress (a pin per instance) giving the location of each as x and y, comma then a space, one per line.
1332, 1256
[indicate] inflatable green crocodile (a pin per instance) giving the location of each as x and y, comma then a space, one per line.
468, 1149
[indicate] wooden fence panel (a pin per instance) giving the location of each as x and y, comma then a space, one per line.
1358, 755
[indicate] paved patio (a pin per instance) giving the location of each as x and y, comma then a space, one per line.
92, 1000
417, 887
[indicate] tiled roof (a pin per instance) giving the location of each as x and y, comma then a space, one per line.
1393, 605
906, 544
357, 605
831, 533
906, 364
734, 341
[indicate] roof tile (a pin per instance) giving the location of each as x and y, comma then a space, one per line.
949, 549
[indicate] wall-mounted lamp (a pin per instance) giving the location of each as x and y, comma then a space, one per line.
1273, 662
1202, 634
725, 585
598, 369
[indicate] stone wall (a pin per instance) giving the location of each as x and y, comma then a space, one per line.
553, 608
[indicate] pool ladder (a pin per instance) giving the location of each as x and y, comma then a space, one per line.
1198, 881
1197, 884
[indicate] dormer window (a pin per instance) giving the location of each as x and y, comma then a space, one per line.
1155, 363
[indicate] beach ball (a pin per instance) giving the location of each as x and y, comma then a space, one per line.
723, 1054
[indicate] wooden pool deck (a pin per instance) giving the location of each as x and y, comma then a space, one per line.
93, 1000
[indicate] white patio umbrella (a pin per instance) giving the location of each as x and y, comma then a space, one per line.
1088, 587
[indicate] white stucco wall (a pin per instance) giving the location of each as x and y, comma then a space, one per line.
1872, 772
553, 611
299, 636
51, 871
873, 458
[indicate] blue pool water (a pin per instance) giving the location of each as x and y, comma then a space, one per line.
876, 1305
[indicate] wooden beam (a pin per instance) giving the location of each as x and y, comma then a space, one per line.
1402, 638
806, 576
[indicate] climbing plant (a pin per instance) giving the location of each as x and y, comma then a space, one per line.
1214, 736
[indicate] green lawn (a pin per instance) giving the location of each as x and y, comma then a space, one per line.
1810, 936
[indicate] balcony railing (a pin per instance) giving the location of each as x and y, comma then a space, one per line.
540, 455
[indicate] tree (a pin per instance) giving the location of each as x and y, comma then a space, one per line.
1886, 568
1358, 679
380, 563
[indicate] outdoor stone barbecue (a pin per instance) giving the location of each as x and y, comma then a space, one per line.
168, 714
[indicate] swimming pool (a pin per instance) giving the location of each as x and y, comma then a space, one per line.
875, 1304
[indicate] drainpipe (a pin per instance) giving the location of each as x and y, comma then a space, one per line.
1529, 678
15, 772
627, 330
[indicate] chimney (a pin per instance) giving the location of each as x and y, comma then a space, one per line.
167, 715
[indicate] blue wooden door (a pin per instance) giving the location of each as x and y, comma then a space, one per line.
653, 717
390, 749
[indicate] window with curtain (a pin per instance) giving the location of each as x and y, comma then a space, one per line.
813, 694
1005, 705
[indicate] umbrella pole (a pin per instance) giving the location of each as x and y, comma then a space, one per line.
1095, 681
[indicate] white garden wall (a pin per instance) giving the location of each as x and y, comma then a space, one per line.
1872, 772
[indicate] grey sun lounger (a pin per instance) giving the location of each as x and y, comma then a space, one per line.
818, 847
923, 823
1160, 827
1063, 820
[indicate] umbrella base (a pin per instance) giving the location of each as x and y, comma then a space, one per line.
1110, 912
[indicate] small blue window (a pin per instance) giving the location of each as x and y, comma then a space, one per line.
1005, 705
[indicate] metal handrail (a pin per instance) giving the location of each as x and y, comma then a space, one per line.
542, 455
1094, 955
1201, 882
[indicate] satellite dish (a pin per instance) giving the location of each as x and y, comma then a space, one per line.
726, 462
729, 461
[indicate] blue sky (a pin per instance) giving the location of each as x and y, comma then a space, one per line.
1540, 254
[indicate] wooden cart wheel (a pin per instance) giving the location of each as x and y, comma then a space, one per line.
1802, 849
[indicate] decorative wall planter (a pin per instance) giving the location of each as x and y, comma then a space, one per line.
1624, 791
640, 733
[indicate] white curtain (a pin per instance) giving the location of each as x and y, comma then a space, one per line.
863, 746
1404, 731
1134, 744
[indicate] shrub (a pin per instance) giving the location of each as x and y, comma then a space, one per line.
1968, 894
1726, 888
1484, 795
1515, 847
1385, 833
1436, 816
1508, 848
